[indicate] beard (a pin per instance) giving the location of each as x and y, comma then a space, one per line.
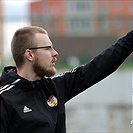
41, 71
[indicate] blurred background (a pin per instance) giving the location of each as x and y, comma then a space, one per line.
79, 30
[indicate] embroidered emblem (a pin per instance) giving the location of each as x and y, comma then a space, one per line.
52, 101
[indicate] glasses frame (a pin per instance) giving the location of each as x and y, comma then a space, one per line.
41, 47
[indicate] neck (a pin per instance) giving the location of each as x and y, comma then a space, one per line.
27, 73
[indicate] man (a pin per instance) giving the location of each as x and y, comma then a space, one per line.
32, 101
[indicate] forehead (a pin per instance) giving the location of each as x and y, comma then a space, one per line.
42, 39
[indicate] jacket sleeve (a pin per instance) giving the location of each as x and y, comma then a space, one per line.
72, 83
4, 117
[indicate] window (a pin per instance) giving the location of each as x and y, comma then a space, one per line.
80, 26
118, 22
104, 8
104, 25
117, 4
131, 7
84, 5
79, 6
132, 24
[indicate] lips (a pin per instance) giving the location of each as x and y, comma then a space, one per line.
54, 60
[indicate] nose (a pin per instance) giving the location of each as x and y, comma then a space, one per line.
54, 53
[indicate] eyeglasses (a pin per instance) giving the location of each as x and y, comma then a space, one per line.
46, 47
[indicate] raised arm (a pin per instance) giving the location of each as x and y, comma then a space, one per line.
81, 78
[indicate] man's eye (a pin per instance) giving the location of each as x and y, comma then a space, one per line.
49, 48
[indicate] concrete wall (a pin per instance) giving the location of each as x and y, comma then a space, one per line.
105, 107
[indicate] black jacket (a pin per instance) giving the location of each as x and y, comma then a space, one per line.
39, 106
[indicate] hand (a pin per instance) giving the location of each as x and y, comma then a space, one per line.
128, 38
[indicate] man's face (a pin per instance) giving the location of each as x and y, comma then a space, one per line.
44, 58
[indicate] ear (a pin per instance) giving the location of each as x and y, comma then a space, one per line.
29, 55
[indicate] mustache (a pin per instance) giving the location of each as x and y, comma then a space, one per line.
54, 59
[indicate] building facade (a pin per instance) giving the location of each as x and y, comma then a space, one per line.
64, 18
114, 17
83, 18
85, 26
48, 15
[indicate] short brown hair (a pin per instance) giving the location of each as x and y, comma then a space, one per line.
24, 38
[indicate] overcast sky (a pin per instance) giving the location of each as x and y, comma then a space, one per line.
15, 14
14, 8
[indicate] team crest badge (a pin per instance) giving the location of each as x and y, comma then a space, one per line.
52, 101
